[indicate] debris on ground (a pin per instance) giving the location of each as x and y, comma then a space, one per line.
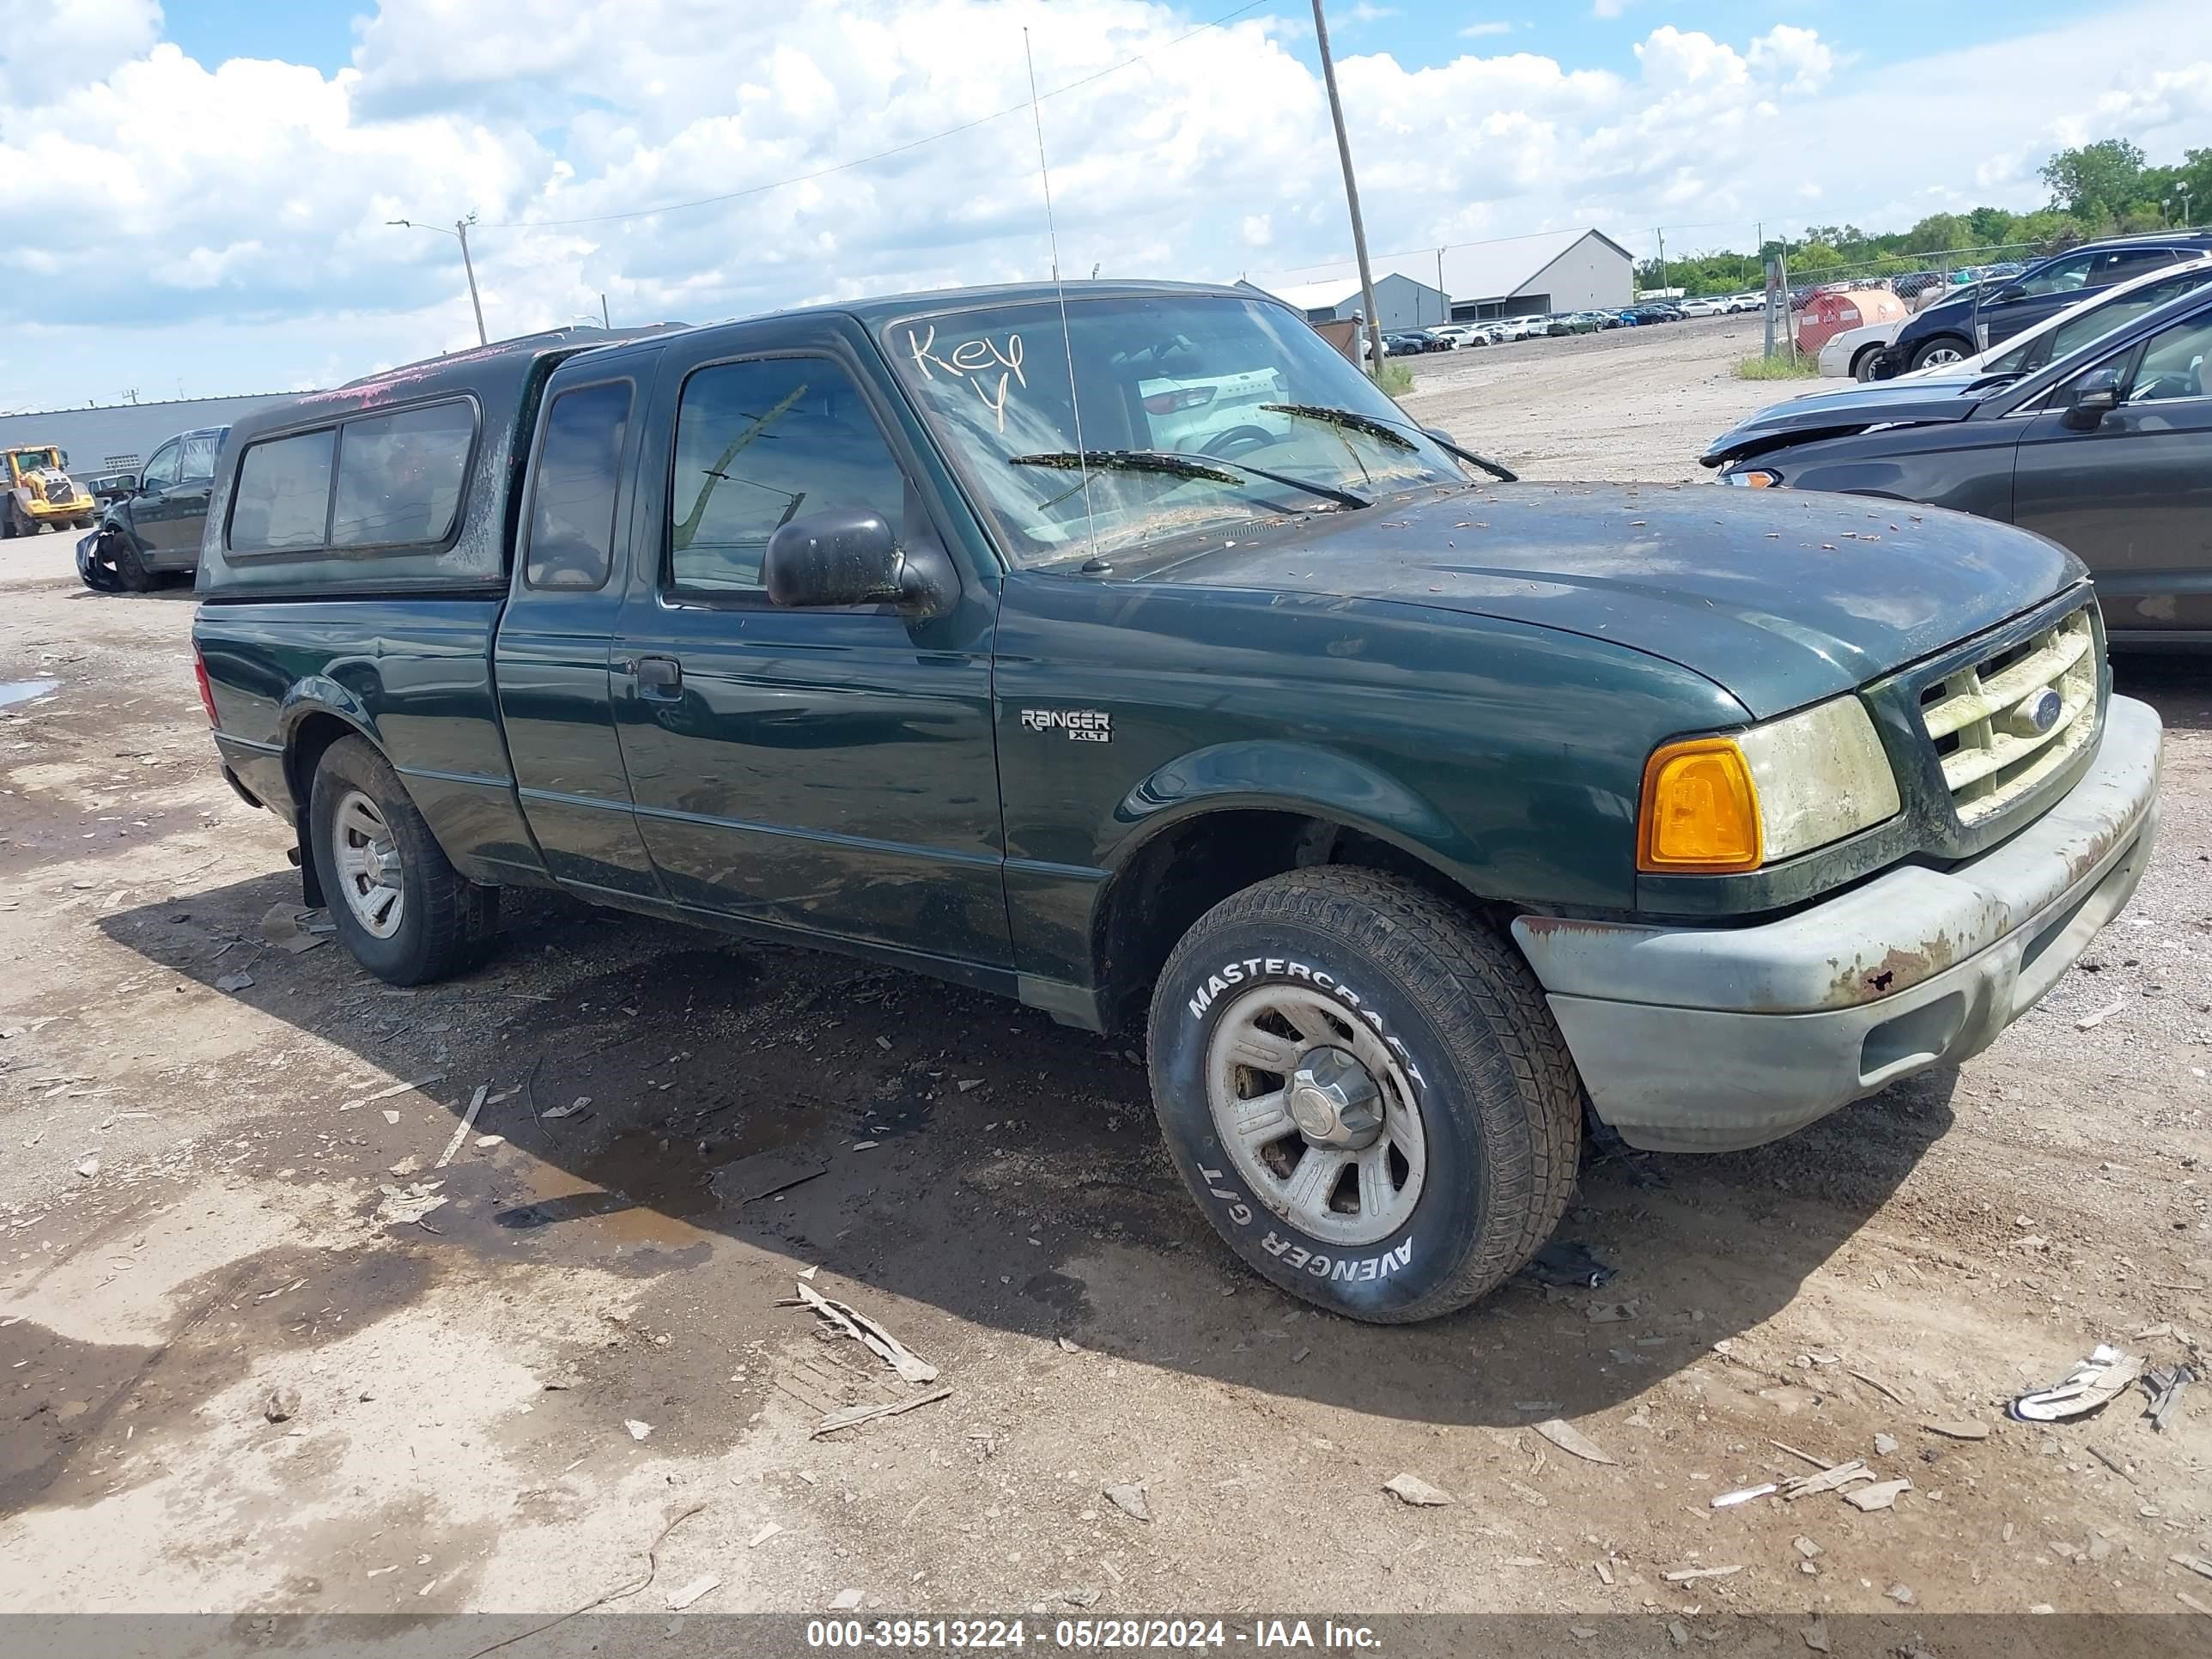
1805, 1547
1569, 1438
1884, 1445
692, 1591
234, 983
395, 1089
865, 1331
1900, 1593
89, 1168
1130, 1500
2163, 1387
2102, 1377
1411, 1489
1881, 1495
1728, 1500
2196, 1564
1609, 1313
762, 1535
1959, 1428
1684, 1575
1816, 1635
763, 1174
461, 1129
844, 1601
637, 1430
292, 928
403, 1207
852, 1416
2091, 1022
281, 1405
1068, 1344
1569, 1264
1829, 1479
580, 1104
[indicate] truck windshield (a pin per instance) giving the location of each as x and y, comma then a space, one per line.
30, 460
1210, 377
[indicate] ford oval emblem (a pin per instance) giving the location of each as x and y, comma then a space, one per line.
2042, 710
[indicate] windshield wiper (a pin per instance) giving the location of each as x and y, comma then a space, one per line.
1184, 466
1353, 421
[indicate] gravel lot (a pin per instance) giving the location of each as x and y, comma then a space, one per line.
241, 1355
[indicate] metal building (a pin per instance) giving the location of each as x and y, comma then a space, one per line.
1552, 271
119, 438
1403, 301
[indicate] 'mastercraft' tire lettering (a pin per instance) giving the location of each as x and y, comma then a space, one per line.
1232, 974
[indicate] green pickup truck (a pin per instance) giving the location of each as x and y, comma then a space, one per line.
1123, 650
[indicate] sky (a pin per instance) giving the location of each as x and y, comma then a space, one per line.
198, 194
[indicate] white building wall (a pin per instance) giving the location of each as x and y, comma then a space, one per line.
1590, 276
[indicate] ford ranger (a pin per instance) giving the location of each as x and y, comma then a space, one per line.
1122, 649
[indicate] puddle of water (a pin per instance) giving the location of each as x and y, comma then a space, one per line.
15, 691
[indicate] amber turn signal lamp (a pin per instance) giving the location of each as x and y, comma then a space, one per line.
1700, 810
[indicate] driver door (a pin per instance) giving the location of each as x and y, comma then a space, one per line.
160, 503
831, 770
2132, 496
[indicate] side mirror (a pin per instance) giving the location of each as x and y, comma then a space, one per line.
2096, 397
850, 555
1440, 435
2009, 291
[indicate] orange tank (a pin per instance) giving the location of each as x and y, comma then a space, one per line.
1829, 314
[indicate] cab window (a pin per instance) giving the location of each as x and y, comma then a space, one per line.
197, 462
161, 471
2060, 276
572, 506
758, 444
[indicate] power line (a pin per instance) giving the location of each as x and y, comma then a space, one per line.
880, 155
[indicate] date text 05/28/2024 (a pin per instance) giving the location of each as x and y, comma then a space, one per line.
1108, 1634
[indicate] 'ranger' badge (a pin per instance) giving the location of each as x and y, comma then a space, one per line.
1081, 725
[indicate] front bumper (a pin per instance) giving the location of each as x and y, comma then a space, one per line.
83, 507
1710, 1039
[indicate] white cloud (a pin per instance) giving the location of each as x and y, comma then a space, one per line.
1483, 31
1365, 12
228, 221
1610, 7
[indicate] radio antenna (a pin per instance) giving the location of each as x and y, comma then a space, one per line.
1060, 288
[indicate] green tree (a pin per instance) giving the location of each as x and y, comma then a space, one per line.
1940, 233
2096, 182
1990, 227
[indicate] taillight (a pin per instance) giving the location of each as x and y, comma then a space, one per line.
207, 691
1167, 402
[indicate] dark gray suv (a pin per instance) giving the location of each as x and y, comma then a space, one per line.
151, 528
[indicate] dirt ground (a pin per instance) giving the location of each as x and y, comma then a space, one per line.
263, 1354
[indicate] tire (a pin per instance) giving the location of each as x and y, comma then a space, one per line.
1943, 349
132, 575
1450, 1030
444, 922
1862, 366
11, 520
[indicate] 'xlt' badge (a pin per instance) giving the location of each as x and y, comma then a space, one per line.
1081, 725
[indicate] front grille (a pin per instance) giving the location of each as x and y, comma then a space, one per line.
1982, 716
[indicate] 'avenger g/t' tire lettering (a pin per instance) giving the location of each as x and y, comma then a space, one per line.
1365, 1092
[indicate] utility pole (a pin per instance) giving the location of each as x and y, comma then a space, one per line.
1663, 262
1370, 354
603, 322
460, 233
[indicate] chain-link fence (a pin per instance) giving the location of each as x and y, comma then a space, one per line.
1810, 303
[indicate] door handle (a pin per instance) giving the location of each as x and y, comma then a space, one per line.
659, 677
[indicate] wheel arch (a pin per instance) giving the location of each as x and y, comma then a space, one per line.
1220, 820
313, 715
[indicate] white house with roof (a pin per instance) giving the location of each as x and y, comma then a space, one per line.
1401, 302
1530, 275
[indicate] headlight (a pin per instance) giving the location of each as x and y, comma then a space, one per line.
1755, 797
1753, 477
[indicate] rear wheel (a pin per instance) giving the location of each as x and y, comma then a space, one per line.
1862, 366
1365, 1092
1944, 349
397, 903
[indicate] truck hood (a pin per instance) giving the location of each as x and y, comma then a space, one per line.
1780, 598
1918, 401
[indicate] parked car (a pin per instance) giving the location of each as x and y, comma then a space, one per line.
1402, 860
1989, 312
2104, 449
1854, 351
150, 526
1512, 329
1571, 322
1740, 302
1704, 305
1464, 334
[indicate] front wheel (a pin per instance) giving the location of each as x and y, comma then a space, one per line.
398, 905
1937, 352
1365, 1092
1862, 366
